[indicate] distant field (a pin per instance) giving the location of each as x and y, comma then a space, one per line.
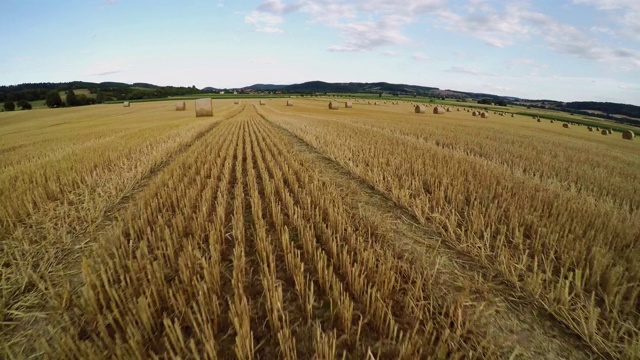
273, 231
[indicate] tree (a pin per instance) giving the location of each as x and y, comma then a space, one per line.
53, 99
9, 105
24, 105
72, 99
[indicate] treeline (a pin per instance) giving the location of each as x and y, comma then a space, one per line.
493, 101
606, 110
605, 107
98, 93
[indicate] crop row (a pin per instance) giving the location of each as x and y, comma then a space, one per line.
238, 249
565, 237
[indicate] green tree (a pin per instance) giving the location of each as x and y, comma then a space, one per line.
72, 99
24, 105
53, 99
9, 105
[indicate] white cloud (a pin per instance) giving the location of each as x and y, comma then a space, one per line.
369, 35
364, 24
278, 7
402, 6
264, 22
420, 56
390, 53
108, 67
468, 71
610, 4
601, 30
367, 25
495, 28
624, 12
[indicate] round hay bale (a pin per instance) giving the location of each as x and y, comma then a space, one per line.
181, 106
438, 110
513, 115
420, 109
348, 105
604, 132
551, 121
610, 131
204, 107
566, 125
590, 128
628, 135
126, 104
475, 113
236, 102
263, 102
375, 103
333, 105
448, 109
484, 115
289, 103
538, 120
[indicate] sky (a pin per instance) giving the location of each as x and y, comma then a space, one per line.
564, 50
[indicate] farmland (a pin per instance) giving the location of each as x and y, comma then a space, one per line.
274, 231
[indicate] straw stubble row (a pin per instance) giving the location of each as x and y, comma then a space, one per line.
572, 252
239, 234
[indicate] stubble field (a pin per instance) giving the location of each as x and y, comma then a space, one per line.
274, 231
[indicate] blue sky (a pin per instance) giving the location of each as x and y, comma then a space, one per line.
563, 50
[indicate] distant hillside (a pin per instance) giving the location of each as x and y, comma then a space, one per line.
351, 87
605, 107
109, 91
622, 113
265, 87
100, 92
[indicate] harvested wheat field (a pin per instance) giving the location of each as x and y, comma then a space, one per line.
269, 232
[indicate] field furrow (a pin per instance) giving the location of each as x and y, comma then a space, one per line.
271, 231
571, 253
45, 236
